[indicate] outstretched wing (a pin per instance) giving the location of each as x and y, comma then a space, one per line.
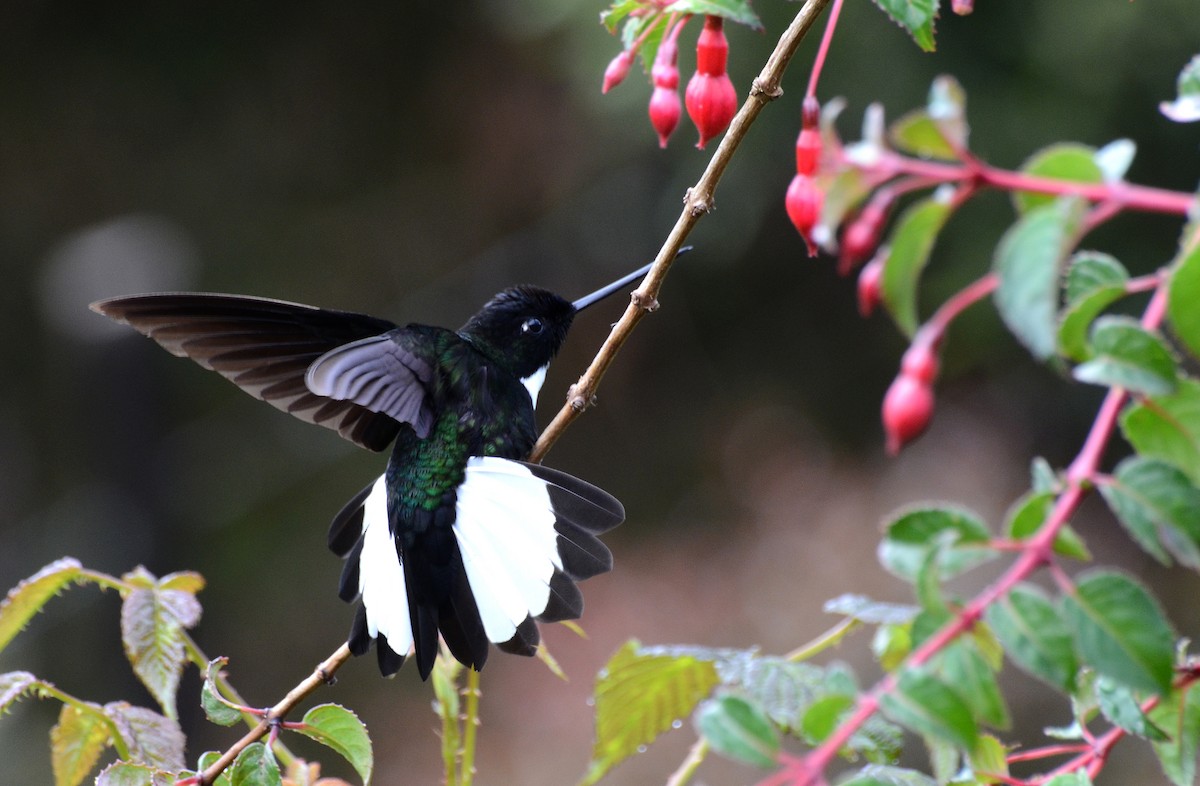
265, 347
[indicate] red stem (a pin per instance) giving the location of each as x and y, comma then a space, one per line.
823, 49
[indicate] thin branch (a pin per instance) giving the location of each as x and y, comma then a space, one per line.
320, 676
698, 201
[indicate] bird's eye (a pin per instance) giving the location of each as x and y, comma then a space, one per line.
531, 326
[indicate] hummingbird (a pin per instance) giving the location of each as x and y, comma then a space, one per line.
460, 537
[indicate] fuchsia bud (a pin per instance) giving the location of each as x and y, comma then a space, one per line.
710, 97
908, 403
861, 237
664, 101
617, 70
907, 410
962, 7
808, 144
870, 280
804, 201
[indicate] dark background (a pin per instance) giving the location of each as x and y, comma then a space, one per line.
408, 160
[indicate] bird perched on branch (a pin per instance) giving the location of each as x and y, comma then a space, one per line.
459, 537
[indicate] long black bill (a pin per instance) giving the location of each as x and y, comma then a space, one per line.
620, 283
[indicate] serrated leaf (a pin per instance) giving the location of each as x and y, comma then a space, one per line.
612, 17
340, 729
958, 535
1034, 635
1094, 282
1119, 704
1064, 161
961, 666
783, 689
255, 766
908, 249
153, 620
14, 685
123, 773
1186, 107
872, 612
639, 696
988, 760
1126, 355
915, 16
76, 742
926, 705
1120, 631
734, 10
1030, 512
1168, 428
1027, 261
1183, 297
150, 738
1179, 716
1115, 158
217, 708
917, 134
1159, 508
27, 598
885, 775
738, 729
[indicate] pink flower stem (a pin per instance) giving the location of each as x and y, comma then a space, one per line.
809, 770
823, 49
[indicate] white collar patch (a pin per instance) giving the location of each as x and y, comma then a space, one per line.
533, 382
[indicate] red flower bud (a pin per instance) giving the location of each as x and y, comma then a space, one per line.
618, 69
710, 98
804, 201
664, 112
869, 282
808, 151
907, 410
962, 7
861, 237
920, 361
664, 101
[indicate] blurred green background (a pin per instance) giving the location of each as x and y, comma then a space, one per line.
410, 159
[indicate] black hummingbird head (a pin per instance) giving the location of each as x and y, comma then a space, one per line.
524, 326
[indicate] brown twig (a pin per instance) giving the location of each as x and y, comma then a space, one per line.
698, 201
320, 676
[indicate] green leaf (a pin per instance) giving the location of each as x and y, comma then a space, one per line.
739, 730
1126, 355
988, 758
734, 10
1076, 778
216, 707
881, 775
1115, 158
958, 535
891, 645
909, 247
1168, 428
14, 686
843, 190
915, 16
1094, 282
1120, 631
337, 727
612, 17
915, 133
1185, 108
947, 107
76, 742
1065, 161
1034, 635
961, 666
124, 773
255, 766
823, 716
872, 612
1043, 477
926, 705
1029, 513
1179, 716
647, 29
27, 598
784, 690
1120, 706
1027, 261
153, 620
1159, 508
151, 738
639, 696
1183, 297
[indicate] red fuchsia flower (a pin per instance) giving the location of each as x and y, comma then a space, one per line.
962, 7
808, 143
804, 202
710, 97
870, 281
617, 70
861, 237
664, 101
908, 403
